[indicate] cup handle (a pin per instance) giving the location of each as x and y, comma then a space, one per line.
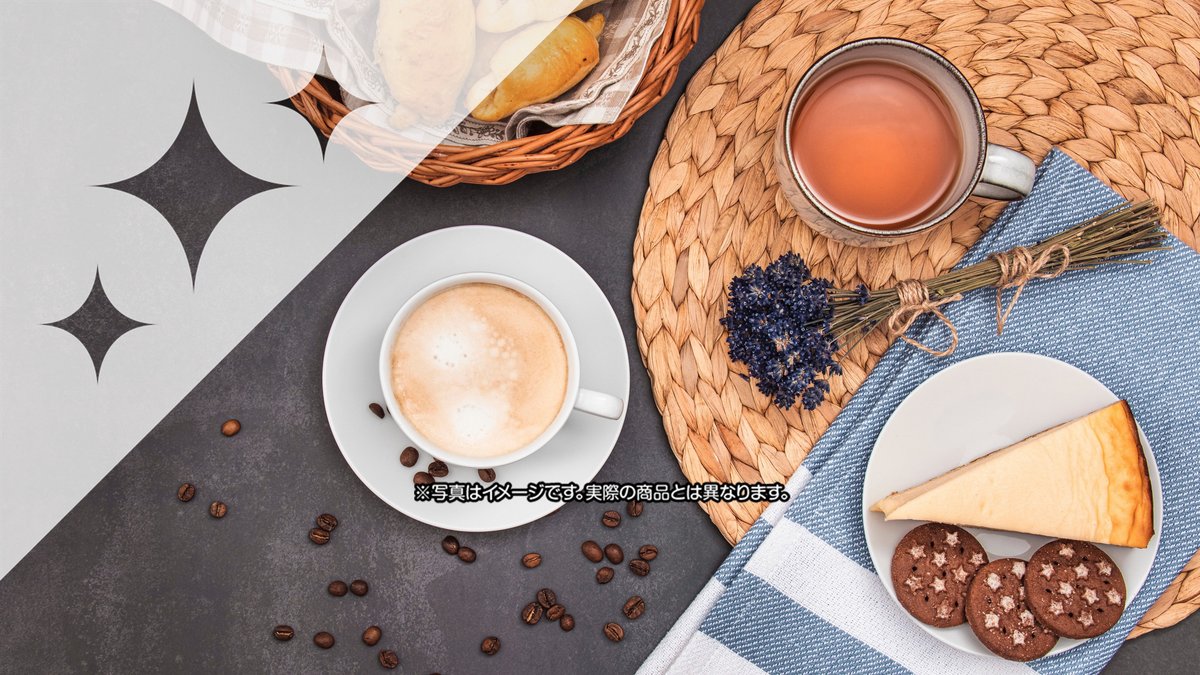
598, 404
1007, 174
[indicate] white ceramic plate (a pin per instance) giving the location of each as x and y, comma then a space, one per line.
351, 372
968, 410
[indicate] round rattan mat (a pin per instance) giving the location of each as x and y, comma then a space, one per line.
1114, 84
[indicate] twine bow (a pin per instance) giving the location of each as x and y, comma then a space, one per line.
1017, 268
915, 302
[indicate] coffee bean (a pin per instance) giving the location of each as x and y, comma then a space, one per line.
531, 560
610, 519
591, 551
377, 409
327, 522
639, 567
186, 492
634, 607
567, 623
648, 552
323, 640
371, 636
337, 588
231, 427
217, 509
466, 554
546, 598
555, 612
409, 456
283, 632
490, 646
614, 632
532, 613
634, 508
450, 544
604, 575
388, 659
318, 536
422, 478
614, 554
359, 587
487, 475
438, 469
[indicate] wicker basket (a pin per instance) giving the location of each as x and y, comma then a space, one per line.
501, 163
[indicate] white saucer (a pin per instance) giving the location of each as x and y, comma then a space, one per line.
351, 372
968, 410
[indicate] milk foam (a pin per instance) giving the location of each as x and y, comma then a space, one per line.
479, 369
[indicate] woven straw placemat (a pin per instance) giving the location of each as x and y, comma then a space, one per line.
1114, 84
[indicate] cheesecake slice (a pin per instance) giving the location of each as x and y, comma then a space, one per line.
1085, 479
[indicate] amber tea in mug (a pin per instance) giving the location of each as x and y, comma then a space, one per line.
882, 139
877, 144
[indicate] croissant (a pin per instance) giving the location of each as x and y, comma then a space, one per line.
558, 63
411, 35
502, 16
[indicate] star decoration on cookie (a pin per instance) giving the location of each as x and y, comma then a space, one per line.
193, 185
97, 324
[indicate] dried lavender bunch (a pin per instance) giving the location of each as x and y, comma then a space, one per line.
786, 325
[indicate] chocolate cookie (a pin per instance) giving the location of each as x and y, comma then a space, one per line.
1075, 589
931, 569
999, 614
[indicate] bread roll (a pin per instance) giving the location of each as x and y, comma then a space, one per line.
425, 51
502, 16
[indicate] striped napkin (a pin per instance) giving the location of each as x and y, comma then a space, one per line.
799, 593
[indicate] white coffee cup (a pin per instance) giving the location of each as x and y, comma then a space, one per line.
576, 398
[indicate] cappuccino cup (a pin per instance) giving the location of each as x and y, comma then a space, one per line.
481, 370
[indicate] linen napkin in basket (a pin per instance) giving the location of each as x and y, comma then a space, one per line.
799, 594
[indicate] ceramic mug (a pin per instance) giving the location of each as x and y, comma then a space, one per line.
987, 170
576, 398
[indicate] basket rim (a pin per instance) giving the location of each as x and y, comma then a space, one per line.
504, 162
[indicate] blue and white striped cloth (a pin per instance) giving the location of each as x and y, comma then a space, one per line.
799, 594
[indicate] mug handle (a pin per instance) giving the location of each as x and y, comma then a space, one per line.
1007, 174
598, 404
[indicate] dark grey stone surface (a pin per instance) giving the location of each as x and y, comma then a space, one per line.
134, 581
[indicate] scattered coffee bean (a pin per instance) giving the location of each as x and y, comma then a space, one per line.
610, 519
555, 612
327, 522
283, 632
318, 536
532, 613
591, 551
323, 640
359, 587
409, 456
648, 552
377, 409
634, 607
231, 427
614, 632
487, 475
604, 575
337, 588
614, 554
388, 659
546, 598
567, 623
438, 469
634, 508
490, 646
466, 554
217, 509
422, 478
450, 544
371, 636
531, 560
639, 567
186, 492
